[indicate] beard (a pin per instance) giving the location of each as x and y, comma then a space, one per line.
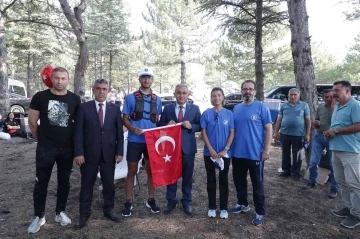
248, 98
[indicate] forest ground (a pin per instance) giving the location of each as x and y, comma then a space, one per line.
291, 211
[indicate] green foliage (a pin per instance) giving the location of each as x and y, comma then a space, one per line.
351, 66
31, 31
107, 46
354, 13
176, 34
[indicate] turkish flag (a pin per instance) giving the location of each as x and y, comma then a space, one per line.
164, 148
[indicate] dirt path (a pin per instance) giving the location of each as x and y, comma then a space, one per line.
291, 211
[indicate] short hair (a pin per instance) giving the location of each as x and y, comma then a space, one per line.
222, 92
249, 81
100, 81
344, 83
327, 91
181, 85
60, 69
294, 90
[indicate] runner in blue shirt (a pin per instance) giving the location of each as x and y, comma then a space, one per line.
217, 126
141, 111
253, 133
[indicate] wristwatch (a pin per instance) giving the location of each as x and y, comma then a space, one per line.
267, 152
336, 131
227, 148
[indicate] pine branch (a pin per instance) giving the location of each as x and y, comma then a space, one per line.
37, 21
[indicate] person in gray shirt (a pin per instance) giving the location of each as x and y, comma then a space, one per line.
293, 129
319, 144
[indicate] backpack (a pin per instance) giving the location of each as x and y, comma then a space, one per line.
139, 107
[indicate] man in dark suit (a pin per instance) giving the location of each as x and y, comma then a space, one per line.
189, 114
99, 142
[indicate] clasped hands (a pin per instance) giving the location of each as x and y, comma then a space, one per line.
216, 155
328, 134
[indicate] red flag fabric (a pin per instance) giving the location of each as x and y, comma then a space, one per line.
164, 148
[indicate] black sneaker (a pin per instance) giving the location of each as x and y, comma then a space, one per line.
296, 178
344, 212
350, 222
126, 212
285, 174
309, 186
152, 205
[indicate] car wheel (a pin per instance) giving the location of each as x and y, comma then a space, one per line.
17, 109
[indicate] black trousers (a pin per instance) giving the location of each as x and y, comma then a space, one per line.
223, 183
241, 167
290, 144
45, 160
88, 177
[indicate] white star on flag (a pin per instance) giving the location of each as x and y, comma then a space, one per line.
167, 158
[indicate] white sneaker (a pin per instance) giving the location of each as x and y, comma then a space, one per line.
36, 224
212, 213
63, 219
224, 214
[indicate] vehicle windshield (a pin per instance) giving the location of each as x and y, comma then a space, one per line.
267, 92
19, 90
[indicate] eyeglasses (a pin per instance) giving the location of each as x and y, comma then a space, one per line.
146, 77
216, 117
248, 89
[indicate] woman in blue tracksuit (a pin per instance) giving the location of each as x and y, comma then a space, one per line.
217, 126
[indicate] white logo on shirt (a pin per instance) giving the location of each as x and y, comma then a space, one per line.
226, 122
254, 117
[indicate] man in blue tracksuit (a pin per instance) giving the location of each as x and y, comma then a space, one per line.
251, 145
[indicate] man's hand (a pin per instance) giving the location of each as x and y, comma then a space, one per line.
79, 160
118, 158
137, 130
316, 124
277, 135
328, 134
264, 156
307, 138
171, 122
187, 124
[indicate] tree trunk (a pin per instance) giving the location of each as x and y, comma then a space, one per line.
128, 73
77, 24
4, 100
110, 69
101, 64
182, 63
30, 76
259, 72
301, 52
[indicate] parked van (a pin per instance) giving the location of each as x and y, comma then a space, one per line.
19, 102
17, 87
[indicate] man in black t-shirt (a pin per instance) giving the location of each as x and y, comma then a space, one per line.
55, 108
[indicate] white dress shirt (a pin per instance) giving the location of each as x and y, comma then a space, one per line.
103, 108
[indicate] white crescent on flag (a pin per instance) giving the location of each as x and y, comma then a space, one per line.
163, 139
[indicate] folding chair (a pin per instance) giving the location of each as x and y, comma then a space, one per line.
121, 169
